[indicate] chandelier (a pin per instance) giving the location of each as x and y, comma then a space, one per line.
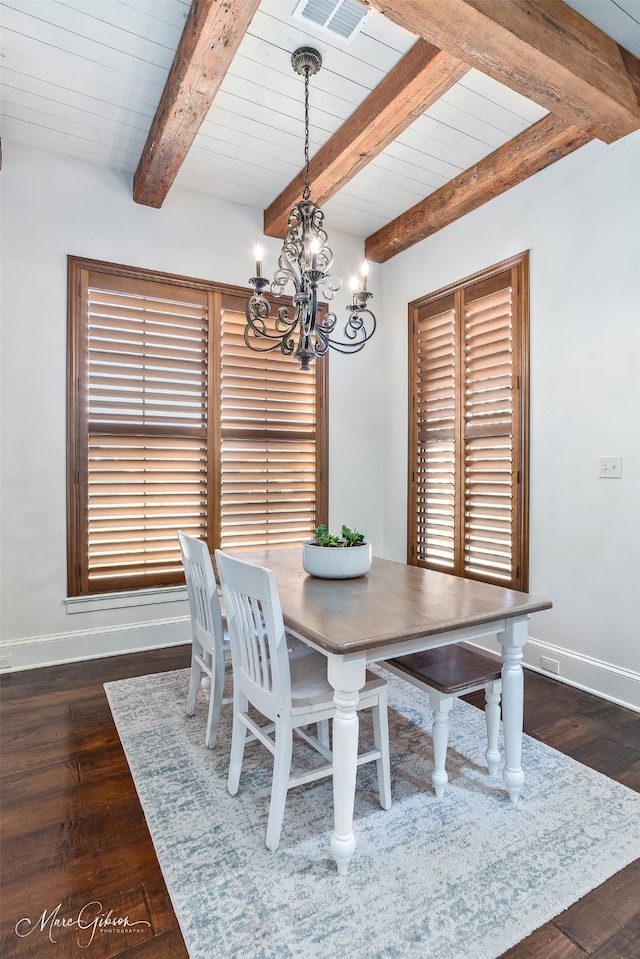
305, 263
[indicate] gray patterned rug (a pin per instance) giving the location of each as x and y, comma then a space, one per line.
463, 877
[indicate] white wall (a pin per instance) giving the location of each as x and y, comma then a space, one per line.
580, 219
51, 207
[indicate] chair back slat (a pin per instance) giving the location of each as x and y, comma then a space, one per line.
204, 602
252, 642
257, 634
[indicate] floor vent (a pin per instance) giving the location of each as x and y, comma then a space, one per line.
338, 18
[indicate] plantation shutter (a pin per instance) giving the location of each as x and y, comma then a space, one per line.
271, 477
174, 423
145, 388
489, 476
468, 437
435, 413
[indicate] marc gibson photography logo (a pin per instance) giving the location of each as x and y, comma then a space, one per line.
90, 920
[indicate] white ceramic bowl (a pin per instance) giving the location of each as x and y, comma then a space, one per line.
336, 562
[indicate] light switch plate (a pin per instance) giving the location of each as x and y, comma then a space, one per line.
609, 467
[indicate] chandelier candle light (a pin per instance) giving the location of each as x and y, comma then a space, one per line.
305, 263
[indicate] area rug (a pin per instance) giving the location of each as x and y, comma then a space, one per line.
462, 877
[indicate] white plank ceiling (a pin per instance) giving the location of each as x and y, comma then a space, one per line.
84, 78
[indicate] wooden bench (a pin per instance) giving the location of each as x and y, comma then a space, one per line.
445, 674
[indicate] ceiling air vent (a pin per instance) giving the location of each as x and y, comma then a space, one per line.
338, 18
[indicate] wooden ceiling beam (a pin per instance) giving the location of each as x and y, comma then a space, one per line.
415, 83
210, 39
542, 48
535, 148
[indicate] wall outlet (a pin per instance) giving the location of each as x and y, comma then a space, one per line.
551, 665
5, 661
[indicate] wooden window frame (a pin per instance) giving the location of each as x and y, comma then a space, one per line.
78, 425
518, 577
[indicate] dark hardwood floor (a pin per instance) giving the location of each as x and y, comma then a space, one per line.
73, 832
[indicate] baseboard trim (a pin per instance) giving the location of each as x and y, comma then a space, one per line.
614, 683
618, 685
75, 646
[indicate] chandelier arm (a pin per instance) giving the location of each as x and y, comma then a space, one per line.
257, 312
329, 285
278, 344
322, 341
285, 326
357, 331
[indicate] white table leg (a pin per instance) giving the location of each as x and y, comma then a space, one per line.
347, 678
441, 706
512, 640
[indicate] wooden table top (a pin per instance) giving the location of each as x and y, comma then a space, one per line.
392, 603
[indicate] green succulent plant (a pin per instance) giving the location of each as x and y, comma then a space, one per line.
348, 537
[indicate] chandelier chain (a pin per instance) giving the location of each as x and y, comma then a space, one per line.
306, 193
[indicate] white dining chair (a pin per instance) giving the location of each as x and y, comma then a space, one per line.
289, 688
445, 674
210, 649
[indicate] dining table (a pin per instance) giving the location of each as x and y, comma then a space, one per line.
393, 610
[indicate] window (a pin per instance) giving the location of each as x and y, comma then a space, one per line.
468, 427
175, 424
